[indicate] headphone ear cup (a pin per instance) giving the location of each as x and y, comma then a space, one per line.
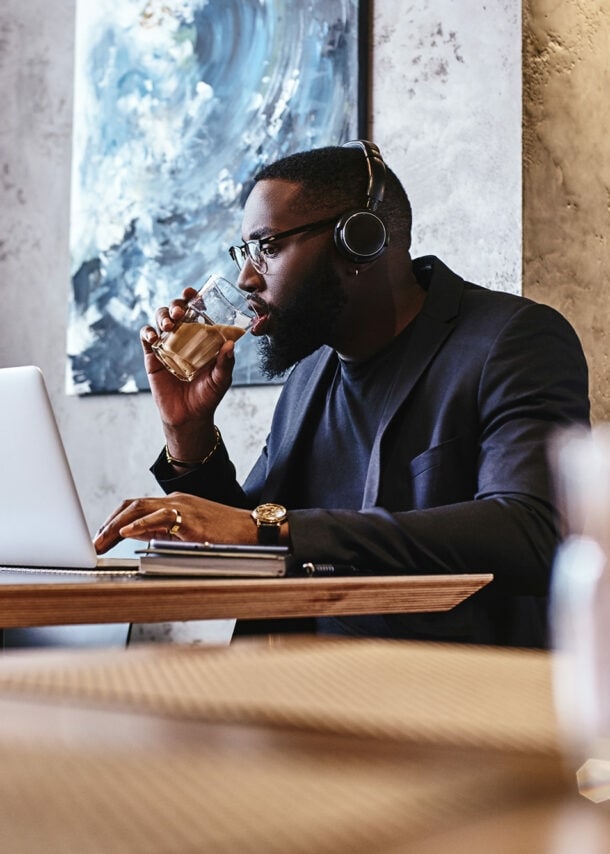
361, 236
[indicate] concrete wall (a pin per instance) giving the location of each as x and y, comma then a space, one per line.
446, 111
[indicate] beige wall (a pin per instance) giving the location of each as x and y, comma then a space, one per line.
566, 174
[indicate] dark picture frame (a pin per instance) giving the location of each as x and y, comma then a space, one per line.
176, 106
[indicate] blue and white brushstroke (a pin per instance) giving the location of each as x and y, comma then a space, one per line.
176, 105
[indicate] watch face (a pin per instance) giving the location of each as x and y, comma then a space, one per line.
270, 514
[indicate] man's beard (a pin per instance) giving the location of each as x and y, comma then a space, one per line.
305, 323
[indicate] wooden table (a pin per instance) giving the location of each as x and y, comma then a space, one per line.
366, 747
31, 598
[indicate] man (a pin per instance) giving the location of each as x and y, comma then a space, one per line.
410, 437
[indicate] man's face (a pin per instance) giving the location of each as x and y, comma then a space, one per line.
299, 298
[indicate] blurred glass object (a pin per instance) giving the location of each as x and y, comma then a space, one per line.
580, 596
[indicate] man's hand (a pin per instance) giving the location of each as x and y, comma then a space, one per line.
199, 520
186, 409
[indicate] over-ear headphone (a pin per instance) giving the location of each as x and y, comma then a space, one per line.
361, 235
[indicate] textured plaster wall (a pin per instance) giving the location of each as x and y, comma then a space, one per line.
446, 111
566, 179
446, 94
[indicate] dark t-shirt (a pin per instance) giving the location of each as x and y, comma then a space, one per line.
336, 460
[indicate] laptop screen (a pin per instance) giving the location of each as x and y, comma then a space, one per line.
42, 523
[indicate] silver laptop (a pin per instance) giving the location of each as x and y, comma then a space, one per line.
42, 523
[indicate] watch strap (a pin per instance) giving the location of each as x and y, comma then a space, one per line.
268, 535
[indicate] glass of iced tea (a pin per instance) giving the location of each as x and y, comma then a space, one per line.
219, 313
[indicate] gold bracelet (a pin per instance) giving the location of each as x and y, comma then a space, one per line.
191, 464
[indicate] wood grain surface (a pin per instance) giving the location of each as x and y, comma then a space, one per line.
32, 599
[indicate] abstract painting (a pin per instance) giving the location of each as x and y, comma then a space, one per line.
177, 103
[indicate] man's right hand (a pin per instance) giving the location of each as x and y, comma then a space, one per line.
186, 408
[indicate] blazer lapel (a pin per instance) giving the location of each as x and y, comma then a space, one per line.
280, 472
432, 326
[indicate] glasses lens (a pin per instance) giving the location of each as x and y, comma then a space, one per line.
239, 255
250, 250
256, 256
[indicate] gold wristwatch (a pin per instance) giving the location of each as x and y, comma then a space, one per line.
268, 518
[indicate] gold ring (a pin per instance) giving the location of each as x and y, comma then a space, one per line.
177, 522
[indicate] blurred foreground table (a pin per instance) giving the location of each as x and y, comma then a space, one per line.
325, 746
50, 598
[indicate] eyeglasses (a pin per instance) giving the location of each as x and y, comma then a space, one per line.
263, 250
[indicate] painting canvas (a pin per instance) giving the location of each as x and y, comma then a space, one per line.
177, 103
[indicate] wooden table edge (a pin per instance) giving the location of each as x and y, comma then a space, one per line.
144, 599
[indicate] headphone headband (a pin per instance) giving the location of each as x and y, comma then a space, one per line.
376, 170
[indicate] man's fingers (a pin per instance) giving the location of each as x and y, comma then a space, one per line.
155, 524
148, 336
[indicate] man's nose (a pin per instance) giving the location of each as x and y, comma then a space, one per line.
249, 279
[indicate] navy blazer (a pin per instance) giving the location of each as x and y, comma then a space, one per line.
458, 479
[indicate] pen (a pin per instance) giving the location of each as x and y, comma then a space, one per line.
326, 569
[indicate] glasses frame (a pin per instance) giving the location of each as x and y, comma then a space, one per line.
246, 251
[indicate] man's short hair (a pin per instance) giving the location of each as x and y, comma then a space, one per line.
336, 179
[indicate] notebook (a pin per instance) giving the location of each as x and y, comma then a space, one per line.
174, 557
42, 523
